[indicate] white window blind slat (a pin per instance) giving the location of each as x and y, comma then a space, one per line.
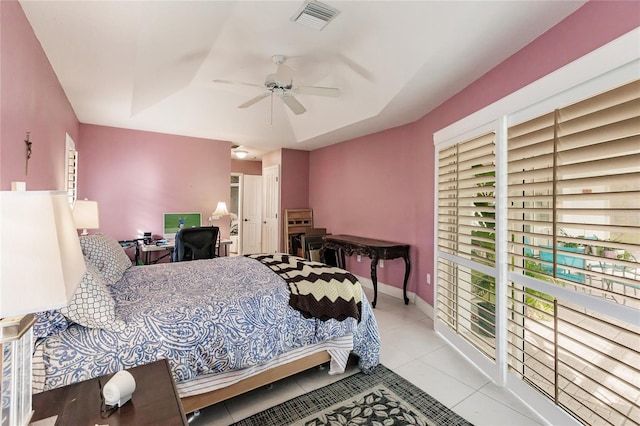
610, 99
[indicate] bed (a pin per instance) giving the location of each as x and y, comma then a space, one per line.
226, 325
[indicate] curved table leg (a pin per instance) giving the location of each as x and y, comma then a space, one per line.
374, 279
407, 270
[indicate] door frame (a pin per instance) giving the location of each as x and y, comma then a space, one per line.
240, 206
266, 171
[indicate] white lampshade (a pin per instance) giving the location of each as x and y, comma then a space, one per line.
85, 215
41, 261
221, 210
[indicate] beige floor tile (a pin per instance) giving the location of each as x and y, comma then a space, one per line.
481, 410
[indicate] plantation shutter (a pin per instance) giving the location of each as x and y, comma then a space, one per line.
574, 222
574, 194
466, 231
72, 175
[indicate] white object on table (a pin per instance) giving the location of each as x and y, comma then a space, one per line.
118, 390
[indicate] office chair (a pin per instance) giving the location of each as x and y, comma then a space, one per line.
196, 243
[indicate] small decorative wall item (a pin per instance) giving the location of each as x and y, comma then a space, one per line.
28, 143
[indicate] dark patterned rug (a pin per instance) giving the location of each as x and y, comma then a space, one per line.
379, 398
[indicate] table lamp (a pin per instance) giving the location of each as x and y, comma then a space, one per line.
85, 215
41, 264
221, 210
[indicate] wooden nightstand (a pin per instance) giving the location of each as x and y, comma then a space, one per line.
154, 402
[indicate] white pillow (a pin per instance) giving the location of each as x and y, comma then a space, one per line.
106, 255
92, 305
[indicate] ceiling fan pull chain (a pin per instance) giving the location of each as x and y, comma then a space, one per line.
271, 109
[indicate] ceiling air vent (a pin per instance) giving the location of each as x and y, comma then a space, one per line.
315, 15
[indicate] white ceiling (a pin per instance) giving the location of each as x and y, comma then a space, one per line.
150, 65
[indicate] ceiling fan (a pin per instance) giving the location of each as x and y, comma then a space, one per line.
281, 85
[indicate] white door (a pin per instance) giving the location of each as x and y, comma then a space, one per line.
271, 202
251, 214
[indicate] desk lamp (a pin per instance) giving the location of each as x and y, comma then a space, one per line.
41, 264
85, 215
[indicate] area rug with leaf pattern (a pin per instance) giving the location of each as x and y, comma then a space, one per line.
379, 398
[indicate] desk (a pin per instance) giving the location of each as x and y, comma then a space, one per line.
374, 249
147, 249
129, 244
154, 402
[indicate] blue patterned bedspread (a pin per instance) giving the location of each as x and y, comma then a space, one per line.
203, 316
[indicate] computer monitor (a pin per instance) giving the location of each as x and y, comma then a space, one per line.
171, 223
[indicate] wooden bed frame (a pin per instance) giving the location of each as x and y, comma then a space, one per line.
196, 402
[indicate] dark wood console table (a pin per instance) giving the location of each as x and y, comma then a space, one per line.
374, 249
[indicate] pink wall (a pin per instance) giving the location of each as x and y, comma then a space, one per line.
294, 179
31, 100
137, 176
367, 187
246, 167
294, 184
381, 186
272, 158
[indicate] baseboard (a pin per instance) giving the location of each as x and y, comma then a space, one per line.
425, 307
396, 292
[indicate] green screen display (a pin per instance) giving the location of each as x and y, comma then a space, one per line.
172, 222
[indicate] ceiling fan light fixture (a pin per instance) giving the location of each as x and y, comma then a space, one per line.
240, 153
315, 15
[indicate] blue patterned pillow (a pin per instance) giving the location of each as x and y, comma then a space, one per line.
106, 255
92, 304
49, 323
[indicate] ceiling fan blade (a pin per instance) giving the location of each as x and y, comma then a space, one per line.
320, 91
238, 82
293, 104
254, 100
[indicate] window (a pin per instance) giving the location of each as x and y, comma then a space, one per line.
574, 218
538, 238
466, 228
574, 195
71, 170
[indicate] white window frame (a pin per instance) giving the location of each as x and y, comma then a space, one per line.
612, 65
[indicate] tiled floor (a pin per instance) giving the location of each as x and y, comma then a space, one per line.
412, 349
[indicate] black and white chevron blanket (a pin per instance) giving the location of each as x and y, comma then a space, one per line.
317, 290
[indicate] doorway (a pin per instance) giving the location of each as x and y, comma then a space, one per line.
235, 210
245, 208
270, 209
251, 214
